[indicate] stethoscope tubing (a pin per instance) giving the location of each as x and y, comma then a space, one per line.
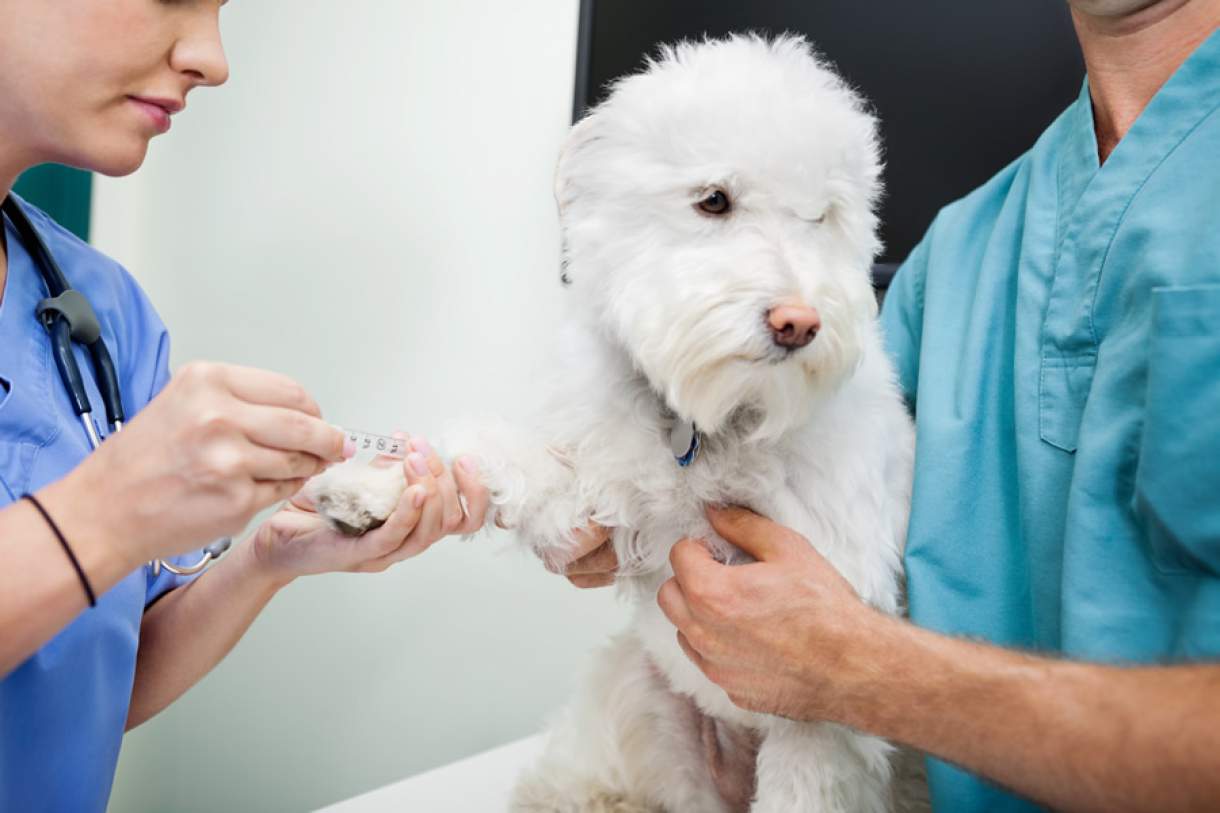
63, 334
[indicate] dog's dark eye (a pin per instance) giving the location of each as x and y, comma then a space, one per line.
717, 203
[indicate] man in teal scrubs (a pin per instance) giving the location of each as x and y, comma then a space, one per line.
1057, 334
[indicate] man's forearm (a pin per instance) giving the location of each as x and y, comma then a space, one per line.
188, 632
1074, 736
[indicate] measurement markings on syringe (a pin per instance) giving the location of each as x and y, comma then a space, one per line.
377, 444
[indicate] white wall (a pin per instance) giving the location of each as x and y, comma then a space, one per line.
366, 207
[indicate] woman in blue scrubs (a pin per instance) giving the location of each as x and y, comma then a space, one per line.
90, 83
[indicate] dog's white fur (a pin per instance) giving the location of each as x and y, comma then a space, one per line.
668, 316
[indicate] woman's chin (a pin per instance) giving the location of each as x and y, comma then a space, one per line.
118, 165
114, 160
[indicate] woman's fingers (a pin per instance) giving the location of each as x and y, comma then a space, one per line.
431, 508
267, 493
280, 428
261, 387
273, 464
438, 491
431, 521
414, 534
451, 509
402, 523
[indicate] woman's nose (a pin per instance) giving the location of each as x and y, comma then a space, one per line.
793, 326
200, 54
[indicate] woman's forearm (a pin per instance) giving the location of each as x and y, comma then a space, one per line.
1074, 736
40, 592
188, 632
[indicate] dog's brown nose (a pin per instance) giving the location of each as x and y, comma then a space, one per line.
793, 326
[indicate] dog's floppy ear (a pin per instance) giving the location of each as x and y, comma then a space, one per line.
567, 187
570, 182
582, 134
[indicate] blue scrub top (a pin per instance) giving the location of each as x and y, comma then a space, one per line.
1058, 335
63, 711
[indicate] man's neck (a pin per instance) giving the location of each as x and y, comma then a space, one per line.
1130, 57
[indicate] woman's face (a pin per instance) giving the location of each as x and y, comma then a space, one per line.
90, 82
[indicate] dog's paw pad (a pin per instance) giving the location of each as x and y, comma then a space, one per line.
349, 520
355, 499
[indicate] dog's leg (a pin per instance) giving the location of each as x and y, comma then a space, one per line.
822, 767
534, 488
626, 744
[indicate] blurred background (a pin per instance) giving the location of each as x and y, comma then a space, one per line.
367, 207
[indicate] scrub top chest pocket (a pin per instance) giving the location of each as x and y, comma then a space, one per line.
1177, 481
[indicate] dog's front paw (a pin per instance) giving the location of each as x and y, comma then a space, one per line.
355, 497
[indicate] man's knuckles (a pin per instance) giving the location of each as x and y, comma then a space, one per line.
702, 639
688, 553
708, 595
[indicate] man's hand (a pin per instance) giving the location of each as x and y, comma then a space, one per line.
787, 635
775, 634
593, 562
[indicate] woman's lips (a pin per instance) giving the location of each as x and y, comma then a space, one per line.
158, 111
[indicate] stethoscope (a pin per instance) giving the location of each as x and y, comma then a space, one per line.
68, 317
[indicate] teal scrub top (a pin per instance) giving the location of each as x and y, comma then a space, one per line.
1057, 334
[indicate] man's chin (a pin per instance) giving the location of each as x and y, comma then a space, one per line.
1112, 8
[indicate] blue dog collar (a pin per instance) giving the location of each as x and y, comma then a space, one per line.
685, 440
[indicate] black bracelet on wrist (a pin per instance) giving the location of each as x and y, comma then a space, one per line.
80, 571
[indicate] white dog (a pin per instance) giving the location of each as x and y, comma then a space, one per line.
717, 214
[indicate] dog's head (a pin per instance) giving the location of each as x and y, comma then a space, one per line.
717, 213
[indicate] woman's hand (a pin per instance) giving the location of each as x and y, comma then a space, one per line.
296, 541
188, 632
218, 445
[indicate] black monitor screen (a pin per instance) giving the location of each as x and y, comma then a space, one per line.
962, 87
